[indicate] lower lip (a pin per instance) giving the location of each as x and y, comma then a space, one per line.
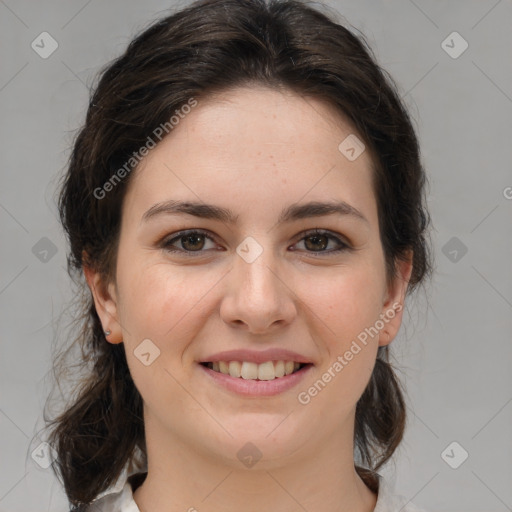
248, 387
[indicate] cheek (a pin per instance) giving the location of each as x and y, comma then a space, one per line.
347, 300
162, 302
349, 305
345, 305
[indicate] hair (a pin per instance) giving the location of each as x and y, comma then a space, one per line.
213, 46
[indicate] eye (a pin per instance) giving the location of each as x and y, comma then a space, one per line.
193, 241
317, 240
190, 241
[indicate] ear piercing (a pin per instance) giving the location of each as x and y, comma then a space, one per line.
108, 332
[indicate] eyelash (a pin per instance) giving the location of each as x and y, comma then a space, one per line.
166, 243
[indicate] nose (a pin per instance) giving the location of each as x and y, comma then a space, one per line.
259, 297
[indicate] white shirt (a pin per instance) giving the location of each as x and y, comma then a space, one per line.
119, 498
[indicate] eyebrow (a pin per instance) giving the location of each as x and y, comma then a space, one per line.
289, 214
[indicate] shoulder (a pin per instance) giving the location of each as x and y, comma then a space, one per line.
121, 501
119, 498
390, 501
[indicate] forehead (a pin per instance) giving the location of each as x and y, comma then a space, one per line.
260, 115
254, 143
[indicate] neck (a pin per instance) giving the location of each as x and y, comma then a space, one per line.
320, 476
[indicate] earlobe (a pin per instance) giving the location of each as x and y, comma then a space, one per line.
105, 302
393, 306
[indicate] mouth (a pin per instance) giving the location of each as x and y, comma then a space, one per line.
249, 379
267, 371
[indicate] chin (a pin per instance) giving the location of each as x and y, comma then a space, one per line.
265, 444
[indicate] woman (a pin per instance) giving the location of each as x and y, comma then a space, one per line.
246, 204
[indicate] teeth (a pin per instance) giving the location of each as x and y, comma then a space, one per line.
266, 371
235, 368
269, 370
279, 368
249, 370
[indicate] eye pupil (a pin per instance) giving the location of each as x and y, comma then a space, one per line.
194, 238
317, 237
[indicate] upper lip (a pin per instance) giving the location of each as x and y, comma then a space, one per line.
260, 356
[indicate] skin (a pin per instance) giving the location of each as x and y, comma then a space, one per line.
255, 151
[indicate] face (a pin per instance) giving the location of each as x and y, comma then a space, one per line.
190, 286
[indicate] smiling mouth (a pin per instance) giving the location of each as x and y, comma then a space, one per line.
268, 370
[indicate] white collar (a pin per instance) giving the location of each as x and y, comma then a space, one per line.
119, 497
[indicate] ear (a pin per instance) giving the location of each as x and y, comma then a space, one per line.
105, 301
394, 300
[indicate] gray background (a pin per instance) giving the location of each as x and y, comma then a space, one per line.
454, 348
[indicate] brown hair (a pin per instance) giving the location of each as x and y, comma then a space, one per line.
212, 46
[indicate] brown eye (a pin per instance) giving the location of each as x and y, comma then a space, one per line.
187, 242
192, 242
317, 241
